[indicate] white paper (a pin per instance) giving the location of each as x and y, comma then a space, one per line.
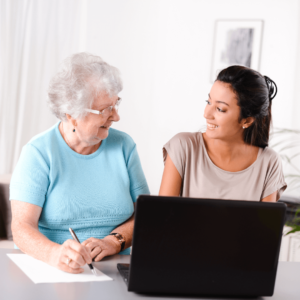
40, 272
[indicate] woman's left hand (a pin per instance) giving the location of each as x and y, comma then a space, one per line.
102, 247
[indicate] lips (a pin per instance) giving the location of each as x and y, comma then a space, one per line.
212, 126
105, 126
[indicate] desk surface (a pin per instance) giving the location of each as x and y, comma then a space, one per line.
14, 284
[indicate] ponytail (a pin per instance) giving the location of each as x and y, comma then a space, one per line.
254, 94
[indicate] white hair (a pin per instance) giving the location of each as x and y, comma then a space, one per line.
80, 79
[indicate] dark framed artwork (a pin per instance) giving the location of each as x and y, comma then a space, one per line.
236, 42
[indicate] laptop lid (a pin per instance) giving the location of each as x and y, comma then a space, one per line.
205, 246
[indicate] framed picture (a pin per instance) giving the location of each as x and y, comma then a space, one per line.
236, 42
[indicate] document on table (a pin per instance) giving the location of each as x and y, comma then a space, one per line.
40, 272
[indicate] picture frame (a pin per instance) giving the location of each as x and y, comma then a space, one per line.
236, 42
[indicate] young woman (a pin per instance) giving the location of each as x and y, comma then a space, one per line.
231, 160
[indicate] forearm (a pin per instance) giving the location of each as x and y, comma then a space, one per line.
32, 242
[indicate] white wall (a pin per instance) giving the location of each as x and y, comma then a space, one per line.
35, 36
164, 50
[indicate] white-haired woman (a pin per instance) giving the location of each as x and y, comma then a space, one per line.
80, 173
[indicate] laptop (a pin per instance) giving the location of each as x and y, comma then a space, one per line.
204, 247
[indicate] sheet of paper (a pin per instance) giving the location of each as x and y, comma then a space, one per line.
40, 272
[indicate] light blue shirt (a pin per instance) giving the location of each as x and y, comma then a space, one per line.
93, 193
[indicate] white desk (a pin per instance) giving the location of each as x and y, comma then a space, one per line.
15, 285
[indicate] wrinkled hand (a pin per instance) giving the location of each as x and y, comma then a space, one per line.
102, 247
70, 251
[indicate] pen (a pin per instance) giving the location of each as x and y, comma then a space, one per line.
76, 239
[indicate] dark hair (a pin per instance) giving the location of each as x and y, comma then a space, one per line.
254, 96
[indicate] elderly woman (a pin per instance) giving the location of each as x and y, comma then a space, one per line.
80, 173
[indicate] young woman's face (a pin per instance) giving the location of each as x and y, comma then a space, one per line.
222, 113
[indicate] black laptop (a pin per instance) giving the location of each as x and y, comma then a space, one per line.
204, 247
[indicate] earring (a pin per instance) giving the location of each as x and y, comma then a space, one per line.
74, 130
243, 127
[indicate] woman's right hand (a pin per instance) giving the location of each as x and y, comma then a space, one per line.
70, 257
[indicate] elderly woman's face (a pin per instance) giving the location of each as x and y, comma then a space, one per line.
94, 128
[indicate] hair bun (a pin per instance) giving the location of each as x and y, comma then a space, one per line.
272, 87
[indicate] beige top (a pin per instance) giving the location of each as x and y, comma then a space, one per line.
203, 179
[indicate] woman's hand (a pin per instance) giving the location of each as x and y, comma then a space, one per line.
70, 257
101, 248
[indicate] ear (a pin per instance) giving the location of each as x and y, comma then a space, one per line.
247, 122
71, 120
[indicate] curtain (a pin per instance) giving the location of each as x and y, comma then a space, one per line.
35, 36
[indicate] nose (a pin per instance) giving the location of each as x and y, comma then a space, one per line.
208, 112
115, 115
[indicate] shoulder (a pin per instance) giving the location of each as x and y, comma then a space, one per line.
35, 157
180, 146
120, 137
274, 180
44, 139
271, 156
271, 162
185, 139
43, 145
120, 141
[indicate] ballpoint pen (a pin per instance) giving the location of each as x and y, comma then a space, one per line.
76, 239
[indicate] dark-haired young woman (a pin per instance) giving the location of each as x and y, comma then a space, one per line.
231, 160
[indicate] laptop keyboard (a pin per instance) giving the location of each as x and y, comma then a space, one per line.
124, 271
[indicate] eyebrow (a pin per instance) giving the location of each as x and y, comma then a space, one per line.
106, 105
218, 101
103, 106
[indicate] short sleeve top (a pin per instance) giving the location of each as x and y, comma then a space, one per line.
203, 179
93, 193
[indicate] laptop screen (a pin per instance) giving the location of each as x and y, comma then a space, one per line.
207, 243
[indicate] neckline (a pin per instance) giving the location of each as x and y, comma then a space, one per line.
74, 153
228, 172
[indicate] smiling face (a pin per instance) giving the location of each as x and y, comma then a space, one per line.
93, 128
222, 113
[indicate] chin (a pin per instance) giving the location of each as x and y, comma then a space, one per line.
213, 134
103, 135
